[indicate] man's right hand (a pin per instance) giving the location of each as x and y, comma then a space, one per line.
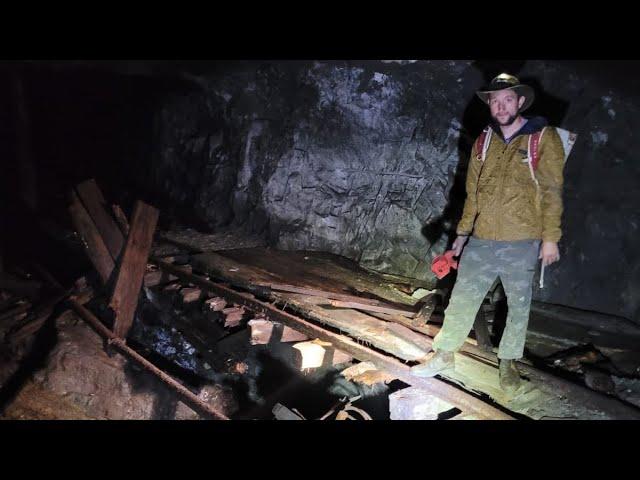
459, 243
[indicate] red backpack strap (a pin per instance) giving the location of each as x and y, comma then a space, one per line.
533, 151
482, 144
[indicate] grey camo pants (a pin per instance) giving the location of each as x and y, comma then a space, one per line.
481, 263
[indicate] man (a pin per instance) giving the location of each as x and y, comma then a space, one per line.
512, 207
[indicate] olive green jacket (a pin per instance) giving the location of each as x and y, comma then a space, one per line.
503, 201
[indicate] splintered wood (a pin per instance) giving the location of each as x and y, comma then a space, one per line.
366, 373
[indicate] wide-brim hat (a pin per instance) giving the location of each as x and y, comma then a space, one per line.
506, 81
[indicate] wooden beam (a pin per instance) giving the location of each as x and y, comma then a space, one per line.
371, 308
121, 218
131, 267
96, 248
96, 206
321, 293
263, 332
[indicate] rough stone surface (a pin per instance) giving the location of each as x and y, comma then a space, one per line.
79, 372
415, 404
367, 160
219, 396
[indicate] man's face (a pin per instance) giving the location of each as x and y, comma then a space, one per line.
504, 106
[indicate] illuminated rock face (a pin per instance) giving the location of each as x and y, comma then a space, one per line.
352, 159
368, 159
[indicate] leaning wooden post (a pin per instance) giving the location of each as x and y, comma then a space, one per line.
131, 267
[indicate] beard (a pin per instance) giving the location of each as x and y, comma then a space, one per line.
505, 123
508, 121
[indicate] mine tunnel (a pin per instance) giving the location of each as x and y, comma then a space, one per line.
259, 240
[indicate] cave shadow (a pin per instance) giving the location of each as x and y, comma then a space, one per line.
42, 344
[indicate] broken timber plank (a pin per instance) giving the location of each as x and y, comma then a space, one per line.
96, 248
322, 293
94, 202
121, 218
453, 395
476, 373
313, 269
413, 323
264, 332
371, 308
388, 336
132, 265
468, 362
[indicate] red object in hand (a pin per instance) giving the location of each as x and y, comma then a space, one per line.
442, 264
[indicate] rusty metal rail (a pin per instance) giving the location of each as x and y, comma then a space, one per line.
456, 397
187, 396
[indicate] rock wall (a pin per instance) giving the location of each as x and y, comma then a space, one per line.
368, 159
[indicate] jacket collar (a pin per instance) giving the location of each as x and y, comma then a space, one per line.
533, 125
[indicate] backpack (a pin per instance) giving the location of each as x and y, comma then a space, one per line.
533, 156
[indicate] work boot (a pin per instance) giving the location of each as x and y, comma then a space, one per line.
509, 376
441, 361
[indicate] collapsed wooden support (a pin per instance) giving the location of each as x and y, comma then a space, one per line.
121, 218
455, 396
186, 395
95, 204
131, 267
97, 250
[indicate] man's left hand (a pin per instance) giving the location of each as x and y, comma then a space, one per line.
549, 253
